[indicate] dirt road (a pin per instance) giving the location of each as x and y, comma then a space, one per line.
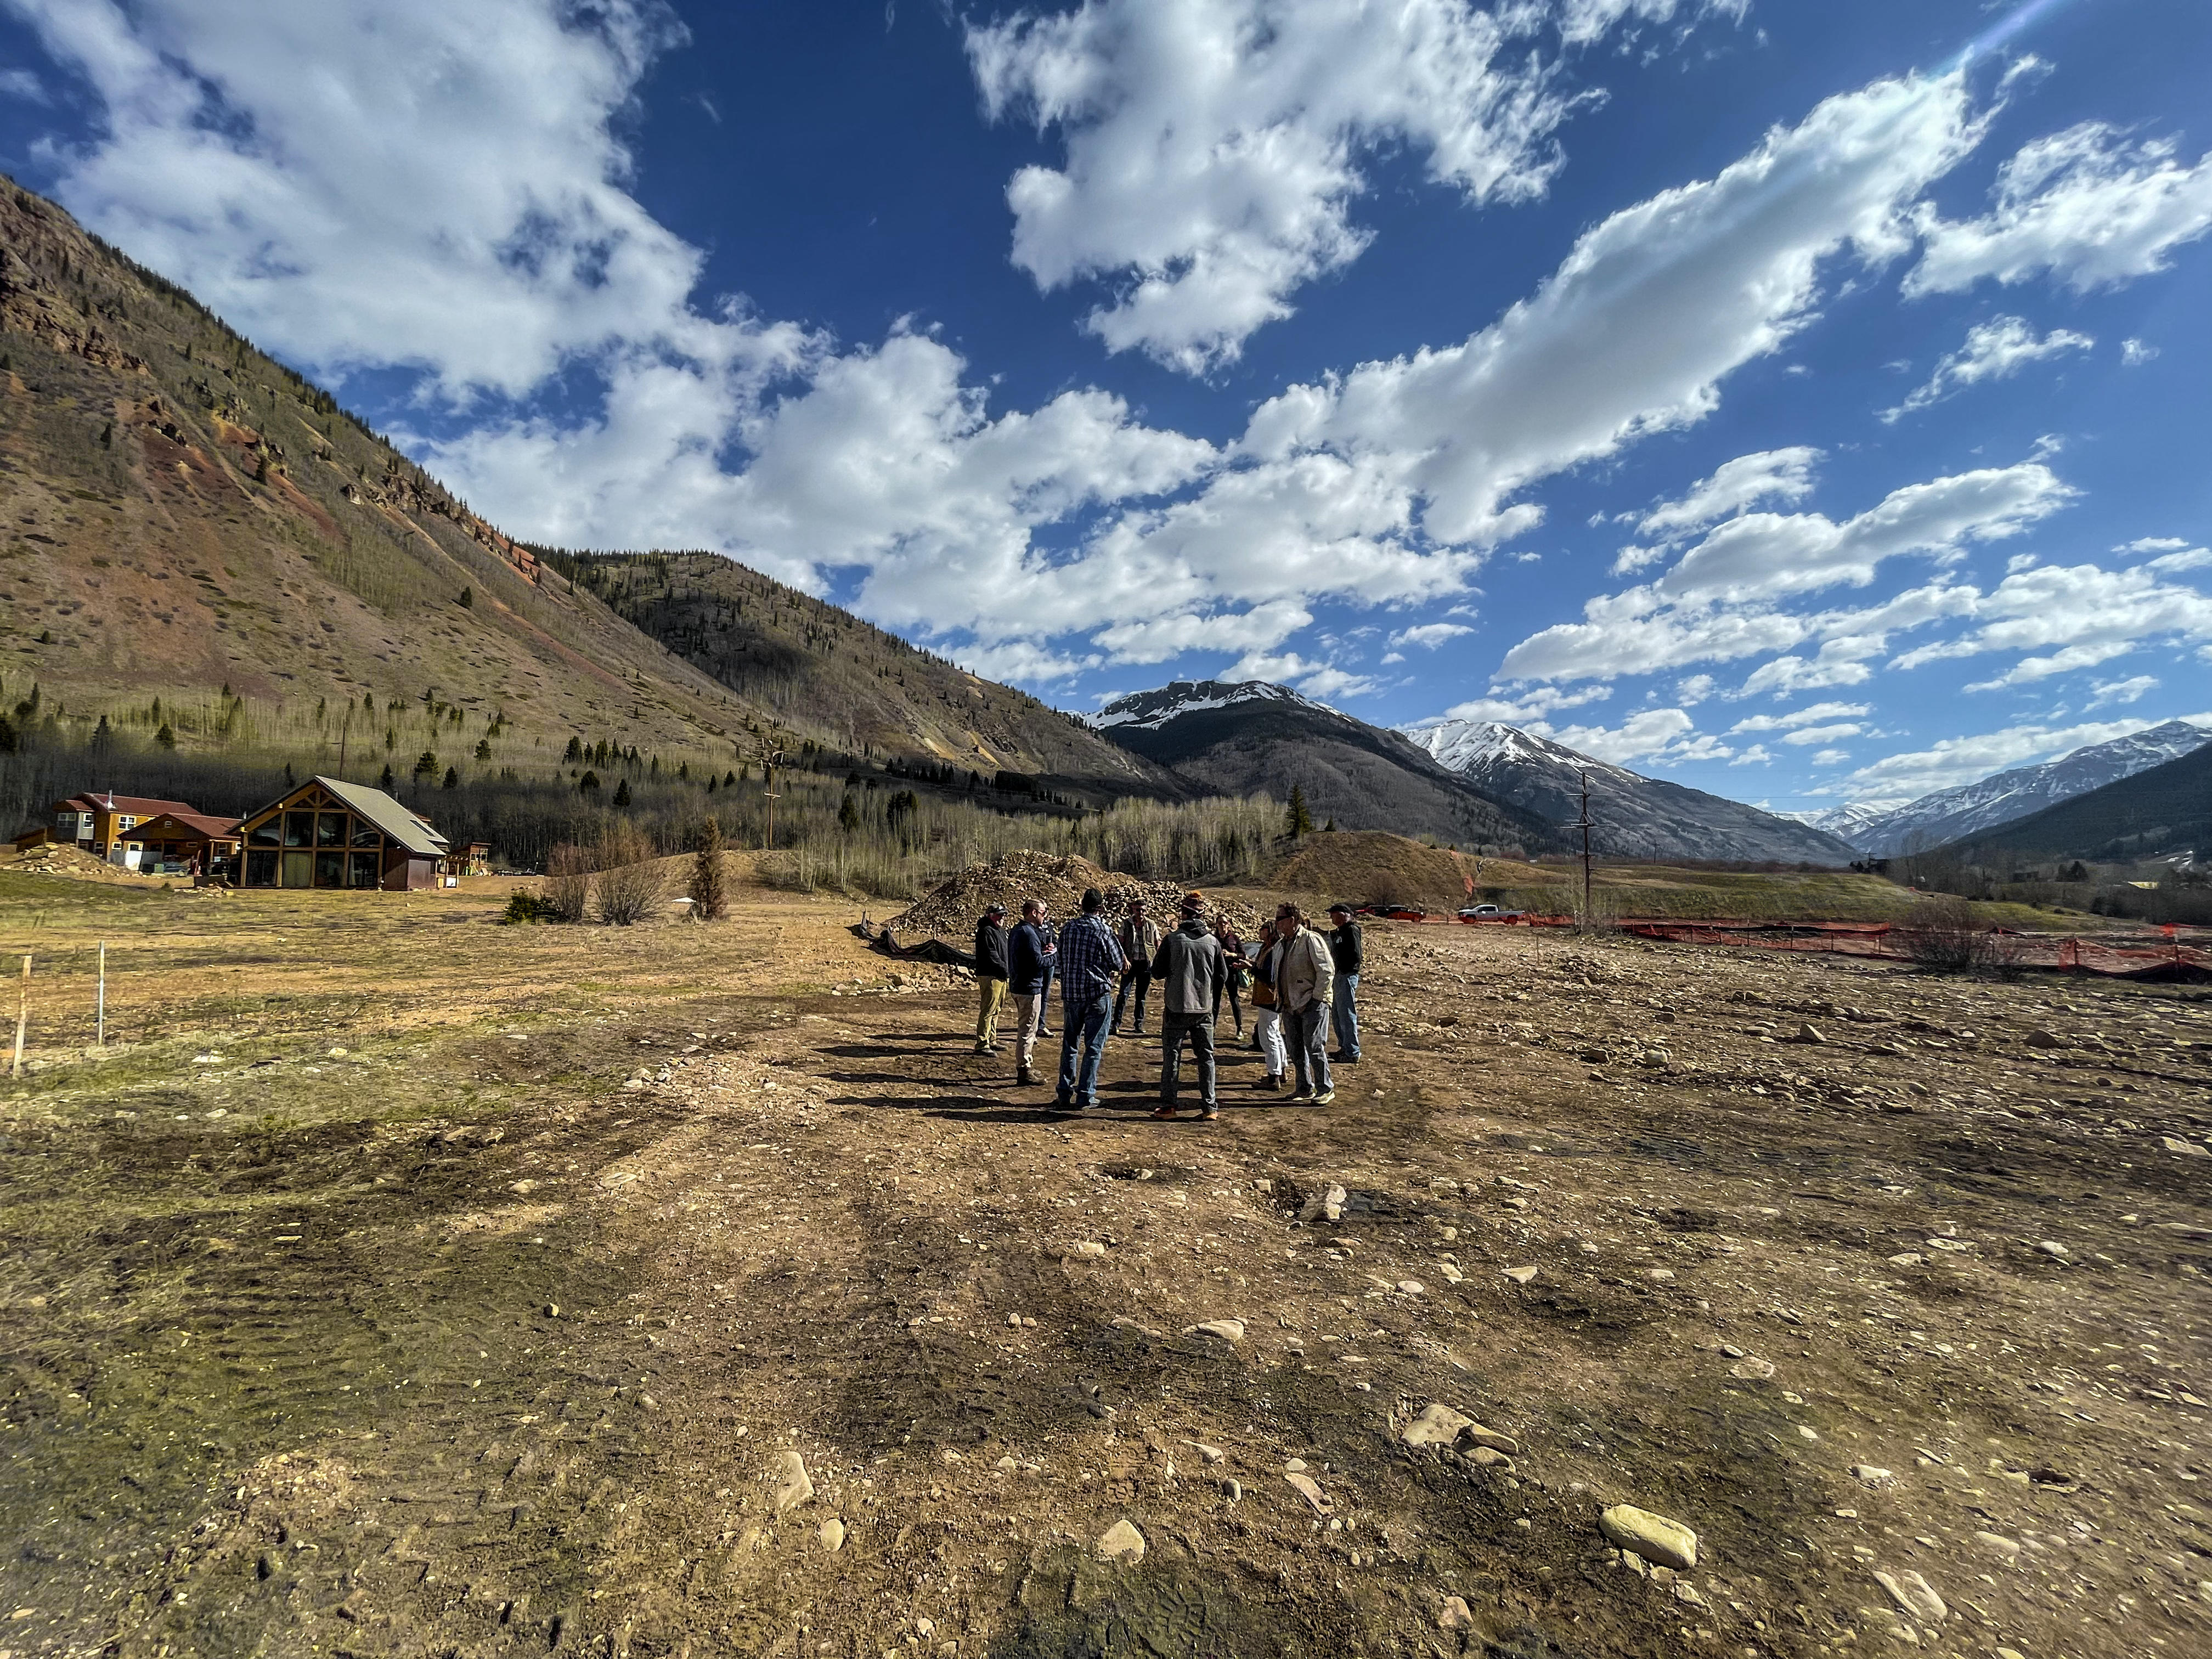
706, 1296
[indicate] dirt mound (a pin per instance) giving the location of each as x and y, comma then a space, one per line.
951, 910
59, 859
1372, 866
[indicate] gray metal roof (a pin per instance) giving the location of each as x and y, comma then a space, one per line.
398, 824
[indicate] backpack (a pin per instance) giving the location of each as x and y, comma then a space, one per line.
1263, 978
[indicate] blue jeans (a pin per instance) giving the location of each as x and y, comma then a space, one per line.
1082, 1025
1344, 1015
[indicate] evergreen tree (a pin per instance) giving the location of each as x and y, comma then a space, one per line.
573, 752
452, 777
622, 792
387, 782
483, 749
468, 598
588, 784
426, 765
709, 899
1298, 821
848, 814
167, 737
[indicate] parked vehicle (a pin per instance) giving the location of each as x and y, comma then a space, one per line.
1488, 913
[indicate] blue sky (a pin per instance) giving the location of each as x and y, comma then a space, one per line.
1802, 402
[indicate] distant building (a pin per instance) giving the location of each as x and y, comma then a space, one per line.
470, 858
97, 822
194, 840
326, 832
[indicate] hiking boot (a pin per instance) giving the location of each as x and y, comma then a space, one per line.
1025, 1078
1322, 1098
1210, 1111
1298, 1097
1165, 1109
1271, 1083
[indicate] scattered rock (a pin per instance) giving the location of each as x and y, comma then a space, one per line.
788, 1470
1870, 1474
1210, 1454
832, 1534
2045, 1040
1751, 1371
1998, 1544
1438, 1425
1326, 1205
1810, 1033
1121, 1542
1476, 1434
1412, 1286
1654, 1537
1451, 1275
2051, 1246
1456, 1615
1090, 1247
1307, 1489
1229, 1330
2186, 1148
1520, 1275
1915, 1595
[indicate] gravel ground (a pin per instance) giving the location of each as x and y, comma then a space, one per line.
767, 1319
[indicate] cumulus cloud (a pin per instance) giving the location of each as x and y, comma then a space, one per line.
1648, 734
2134, 353
1526, 709
1818, 713
1714, 605
1993, 350
1783, 475
2084, 204
2111, 693
2070, 617
382, 182
1430, 635
1214, 147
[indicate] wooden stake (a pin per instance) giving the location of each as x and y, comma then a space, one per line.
99, 1018
22, 1017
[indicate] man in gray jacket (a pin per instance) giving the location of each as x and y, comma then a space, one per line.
1189, 969
1304, 974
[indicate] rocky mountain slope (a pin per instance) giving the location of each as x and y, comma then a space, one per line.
187, 520
1964, 813
1636, 816
2163, 812
1250, 736
868, 691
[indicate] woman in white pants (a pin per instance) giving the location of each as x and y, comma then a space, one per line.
1267, 1011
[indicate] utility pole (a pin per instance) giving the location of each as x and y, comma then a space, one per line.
768, 768
1583, 823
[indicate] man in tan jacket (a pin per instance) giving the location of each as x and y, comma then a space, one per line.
1304, 976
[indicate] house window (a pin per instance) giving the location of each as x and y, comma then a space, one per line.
299, 831
330, 868
266, 833
365, 872
330, 828
261, 868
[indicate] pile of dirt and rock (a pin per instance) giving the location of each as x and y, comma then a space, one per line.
951, 910
56, 858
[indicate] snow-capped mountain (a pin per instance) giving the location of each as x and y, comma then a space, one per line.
1149, 710
1972, 809
1845, 821
1635, 816
1239, 737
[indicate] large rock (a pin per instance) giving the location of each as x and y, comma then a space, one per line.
1121, 1542
793, 1487
1438, 1425
1654, 1537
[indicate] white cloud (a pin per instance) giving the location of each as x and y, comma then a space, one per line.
1816, 715
1757, 755
1648, 734
1214, 147
2111, 693
2083, 204
1813, 734
1764, 554
378, 182
1527, 710
2192, 558
2078, 616
1694, 689
1831, 757
1993, 350
1710, 607
1786, 676
1771, 474
2152, 544
1962, 760
23, 84
1429, 634
1320, 680
2134, 353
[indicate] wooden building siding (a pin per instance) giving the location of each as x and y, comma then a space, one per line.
314, 837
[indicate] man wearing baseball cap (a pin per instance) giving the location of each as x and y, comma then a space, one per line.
1347, 953
991, 976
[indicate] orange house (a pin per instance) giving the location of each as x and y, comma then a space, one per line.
186, 838
96, 821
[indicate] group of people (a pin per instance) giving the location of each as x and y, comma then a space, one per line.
1303, 984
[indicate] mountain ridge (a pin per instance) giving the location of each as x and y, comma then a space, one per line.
1634, 817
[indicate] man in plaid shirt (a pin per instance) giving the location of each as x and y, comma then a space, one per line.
1089, 963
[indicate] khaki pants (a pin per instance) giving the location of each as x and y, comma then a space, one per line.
1028, 1012
992, 994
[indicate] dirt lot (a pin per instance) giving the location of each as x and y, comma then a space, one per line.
405, 1283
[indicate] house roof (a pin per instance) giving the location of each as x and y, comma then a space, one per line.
205, 824
400, 825
137, 806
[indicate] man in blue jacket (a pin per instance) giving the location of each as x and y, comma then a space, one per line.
1029, 952
1089, 966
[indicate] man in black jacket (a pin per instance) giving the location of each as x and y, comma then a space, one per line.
1188, 968
1347, 951
990, 977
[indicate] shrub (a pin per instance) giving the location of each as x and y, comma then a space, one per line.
568, 887
629, 883
1942, 934
523, 907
